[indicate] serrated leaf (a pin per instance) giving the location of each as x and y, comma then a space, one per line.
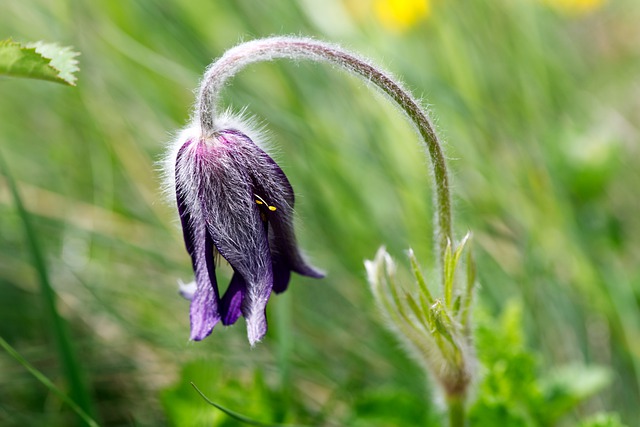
63, 59
44, 61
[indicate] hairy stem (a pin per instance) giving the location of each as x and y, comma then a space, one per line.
303, 48
455, 407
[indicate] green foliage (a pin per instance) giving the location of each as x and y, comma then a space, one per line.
566, 387
45, 61
602, 420
511, 391
253, 398
390, 407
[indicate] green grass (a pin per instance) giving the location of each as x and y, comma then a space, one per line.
539, 111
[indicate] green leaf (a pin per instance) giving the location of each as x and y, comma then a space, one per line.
451, 258
419, 277
457, 303
468, 295
448, 274
420, 315
44, 61
442, 321
509, 393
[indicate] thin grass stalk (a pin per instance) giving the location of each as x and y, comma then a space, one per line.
78, 390
47, 383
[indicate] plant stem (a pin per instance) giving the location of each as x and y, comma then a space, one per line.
303, 48
456, 409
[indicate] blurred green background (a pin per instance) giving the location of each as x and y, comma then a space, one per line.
538, 103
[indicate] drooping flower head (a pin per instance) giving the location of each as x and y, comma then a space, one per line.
236, 202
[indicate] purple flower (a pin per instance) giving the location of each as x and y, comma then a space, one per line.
235, 201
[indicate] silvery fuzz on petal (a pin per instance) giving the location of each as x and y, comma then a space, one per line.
236, 202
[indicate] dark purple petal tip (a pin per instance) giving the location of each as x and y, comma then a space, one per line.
231, 303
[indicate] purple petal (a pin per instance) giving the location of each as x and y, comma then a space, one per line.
281, 274
254, 311
256, 326
231, 301
203, 315
187, 290
204, 305
205, 299
272, 183
284, 247
185, 216
227, 202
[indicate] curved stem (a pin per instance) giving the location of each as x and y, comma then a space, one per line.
303, 48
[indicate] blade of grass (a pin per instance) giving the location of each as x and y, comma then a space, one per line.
47, 383
78, 390
285, 344
237, 416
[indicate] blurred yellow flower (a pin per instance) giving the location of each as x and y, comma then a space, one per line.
400, 15
575, 6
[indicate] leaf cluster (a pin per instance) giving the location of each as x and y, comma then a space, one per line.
512, 391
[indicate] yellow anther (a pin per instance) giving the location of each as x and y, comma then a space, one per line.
261, 201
